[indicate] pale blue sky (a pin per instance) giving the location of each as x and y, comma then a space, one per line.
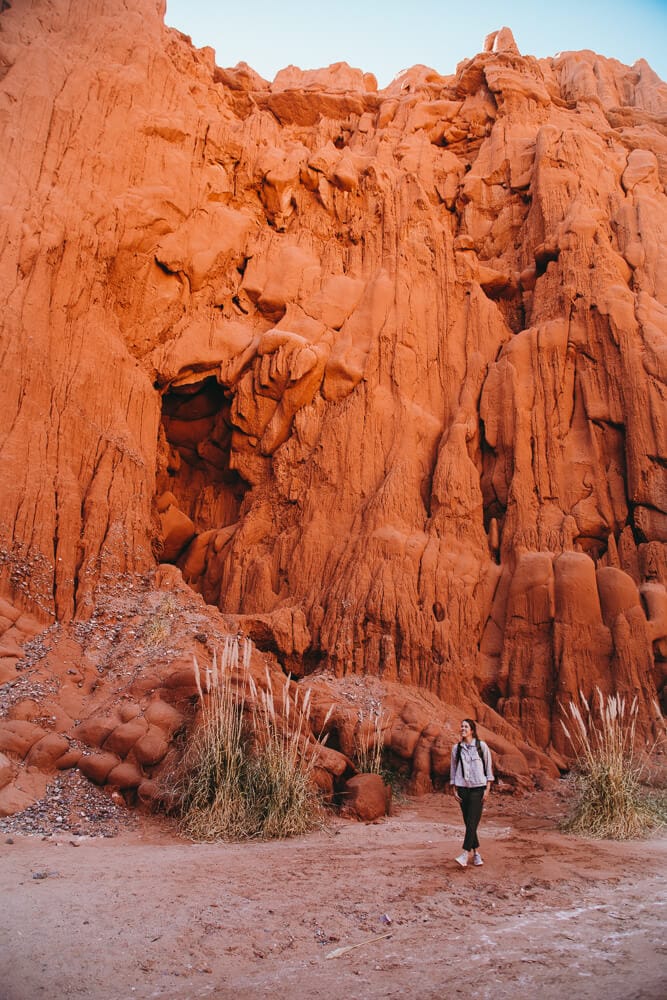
384, 38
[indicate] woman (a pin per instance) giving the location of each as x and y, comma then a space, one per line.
470, 776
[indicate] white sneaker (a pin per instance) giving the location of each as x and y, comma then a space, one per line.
477, 859
462, 860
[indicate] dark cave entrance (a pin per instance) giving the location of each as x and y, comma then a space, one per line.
197, 428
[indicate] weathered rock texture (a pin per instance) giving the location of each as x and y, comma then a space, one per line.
115, 696
382, 372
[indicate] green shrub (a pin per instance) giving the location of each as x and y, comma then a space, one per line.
611, 801
398, 779
246, 775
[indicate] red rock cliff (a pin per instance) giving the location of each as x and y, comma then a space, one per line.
383, 372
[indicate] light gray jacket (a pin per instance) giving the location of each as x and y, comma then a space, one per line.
471, 771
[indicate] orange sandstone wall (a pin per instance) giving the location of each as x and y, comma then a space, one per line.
382, 372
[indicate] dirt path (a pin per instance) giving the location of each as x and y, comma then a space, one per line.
146, 915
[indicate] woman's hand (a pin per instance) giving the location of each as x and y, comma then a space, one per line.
487, 792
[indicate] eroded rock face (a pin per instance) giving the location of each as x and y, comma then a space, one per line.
381, 372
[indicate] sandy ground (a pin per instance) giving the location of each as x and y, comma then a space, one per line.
145, 914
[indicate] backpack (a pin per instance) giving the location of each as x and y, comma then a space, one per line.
478, 744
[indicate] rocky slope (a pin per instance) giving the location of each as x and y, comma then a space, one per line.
382, 373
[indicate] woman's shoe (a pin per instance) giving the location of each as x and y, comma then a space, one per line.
462, 860
477, 859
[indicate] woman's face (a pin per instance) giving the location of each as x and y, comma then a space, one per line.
466, 731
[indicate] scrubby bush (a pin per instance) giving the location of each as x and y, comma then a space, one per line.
611, 800
242, 774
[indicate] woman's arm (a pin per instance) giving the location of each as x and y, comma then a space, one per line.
488, 769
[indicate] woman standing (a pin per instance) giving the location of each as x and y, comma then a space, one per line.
470, 775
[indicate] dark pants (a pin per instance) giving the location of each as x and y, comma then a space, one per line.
471, 807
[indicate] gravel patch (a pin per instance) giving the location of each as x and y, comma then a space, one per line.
72, 805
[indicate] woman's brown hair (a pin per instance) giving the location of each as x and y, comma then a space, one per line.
473, 726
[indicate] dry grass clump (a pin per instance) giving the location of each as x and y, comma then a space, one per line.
611, 801
285, 800
241, 778
369, 741
206, 793
159, 626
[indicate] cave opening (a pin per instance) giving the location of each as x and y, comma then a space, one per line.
196, 419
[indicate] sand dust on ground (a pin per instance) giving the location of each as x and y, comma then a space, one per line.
351, 911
